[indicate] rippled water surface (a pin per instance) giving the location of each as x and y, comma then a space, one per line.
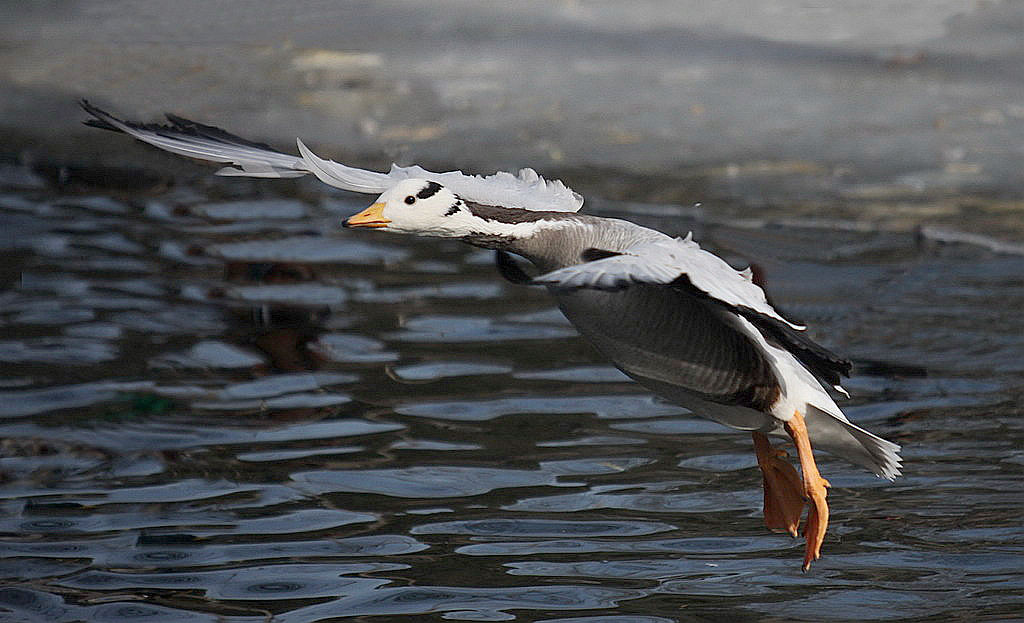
227, 409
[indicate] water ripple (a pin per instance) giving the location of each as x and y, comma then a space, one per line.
216, 411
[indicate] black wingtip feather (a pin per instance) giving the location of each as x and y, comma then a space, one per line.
99, 119
202, 130
179, 126
101, 124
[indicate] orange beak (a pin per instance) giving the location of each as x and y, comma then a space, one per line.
370, 217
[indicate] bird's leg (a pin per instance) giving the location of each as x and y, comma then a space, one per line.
814, 490
783, 500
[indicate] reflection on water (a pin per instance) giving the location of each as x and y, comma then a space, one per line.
222, 410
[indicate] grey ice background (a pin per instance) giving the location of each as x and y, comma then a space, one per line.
790, 99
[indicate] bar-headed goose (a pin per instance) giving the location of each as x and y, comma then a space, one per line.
676, 318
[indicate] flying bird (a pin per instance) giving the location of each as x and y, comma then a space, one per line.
676, 318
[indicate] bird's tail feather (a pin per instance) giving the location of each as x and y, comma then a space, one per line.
851, 442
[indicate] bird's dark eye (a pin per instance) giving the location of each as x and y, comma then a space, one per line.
410, 200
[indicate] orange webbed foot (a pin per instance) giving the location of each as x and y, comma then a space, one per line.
814, 489
817, 520
783, 497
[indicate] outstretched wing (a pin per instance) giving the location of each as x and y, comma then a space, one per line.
526, 190
681, 263
205, 142
668, 261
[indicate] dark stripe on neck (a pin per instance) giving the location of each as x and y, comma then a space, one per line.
512, 216
429, 190
454, 208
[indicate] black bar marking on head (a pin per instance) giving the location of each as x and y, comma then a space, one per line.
591, 254
429, 190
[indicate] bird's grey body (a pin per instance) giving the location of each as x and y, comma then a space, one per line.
683, 346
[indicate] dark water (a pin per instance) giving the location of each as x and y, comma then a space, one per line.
228, 410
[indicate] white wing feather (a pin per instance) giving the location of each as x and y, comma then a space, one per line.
527, 190
662, 262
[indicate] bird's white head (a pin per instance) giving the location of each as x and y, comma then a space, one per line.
415, 206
